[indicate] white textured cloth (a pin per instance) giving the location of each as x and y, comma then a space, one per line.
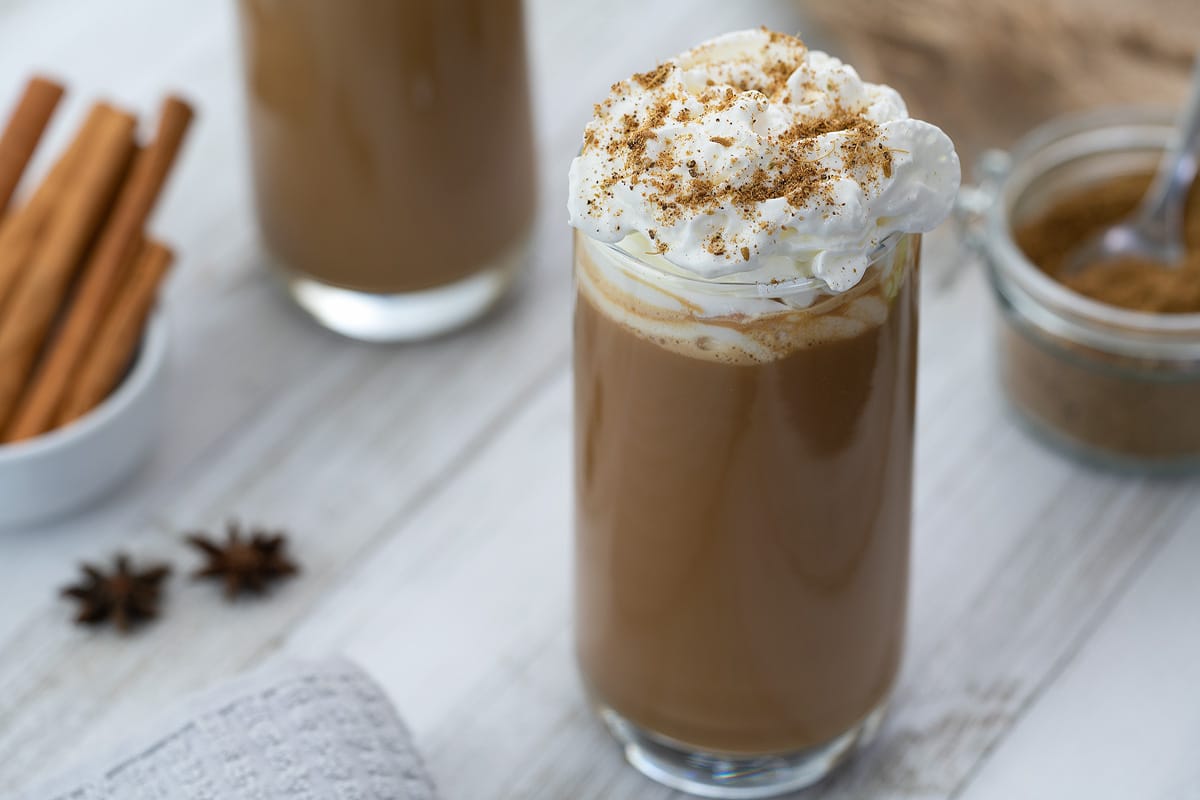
317, 731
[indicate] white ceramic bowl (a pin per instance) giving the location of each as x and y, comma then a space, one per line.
62, 471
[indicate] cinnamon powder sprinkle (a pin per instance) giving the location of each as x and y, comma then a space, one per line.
654, 78
715, 244
840, 120
804, 172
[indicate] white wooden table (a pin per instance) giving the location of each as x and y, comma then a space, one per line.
1054, 649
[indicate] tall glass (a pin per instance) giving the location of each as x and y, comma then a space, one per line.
393, 156
743, 470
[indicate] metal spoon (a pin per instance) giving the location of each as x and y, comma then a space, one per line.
1154, 232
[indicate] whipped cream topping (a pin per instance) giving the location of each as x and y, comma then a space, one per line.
753, 158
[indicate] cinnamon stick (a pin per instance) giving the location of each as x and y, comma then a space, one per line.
59, 252
19, 230
116, 342
23, 132
103, 274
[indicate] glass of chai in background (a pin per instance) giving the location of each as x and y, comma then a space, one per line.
393, 156
748, 217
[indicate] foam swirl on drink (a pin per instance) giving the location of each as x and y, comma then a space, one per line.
734, 325
752, 158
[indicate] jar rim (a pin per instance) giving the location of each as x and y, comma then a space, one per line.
772, 289
1074, 137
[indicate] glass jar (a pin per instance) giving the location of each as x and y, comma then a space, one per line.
393, 156
743, 472
1116, 387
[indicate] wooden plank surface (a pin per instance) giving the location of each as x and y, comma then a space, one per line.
1053, 642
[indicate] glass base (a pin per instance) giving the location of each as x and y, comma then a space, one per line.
736, 777
406, 316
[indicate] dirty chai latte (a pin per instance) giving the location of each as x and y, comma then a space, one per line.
366, 121
745, 364
711, 567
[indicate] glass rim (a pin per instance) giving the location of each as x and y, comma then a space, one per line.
760, 289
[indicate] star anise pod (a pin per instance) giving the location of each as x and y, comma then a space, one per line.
127, 595
245, 563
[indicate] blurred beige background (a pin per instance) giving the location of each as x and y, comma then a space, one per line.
988, 70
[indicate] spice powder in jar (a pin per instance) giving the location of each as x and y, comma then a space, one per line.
1104, 361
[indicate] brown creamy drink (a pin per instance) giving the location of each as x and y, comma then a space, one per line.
392, 141
722, 601
745, 364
